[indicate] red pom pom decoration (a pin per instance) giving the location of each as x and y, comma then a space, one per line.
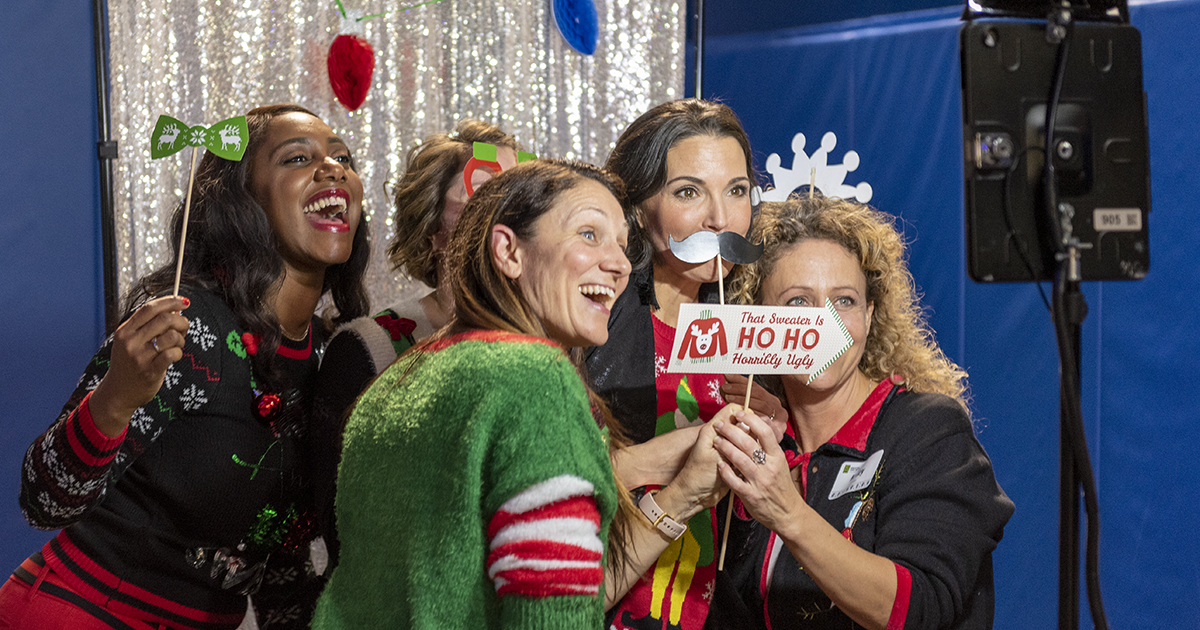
351, 64
250, 340
397, 327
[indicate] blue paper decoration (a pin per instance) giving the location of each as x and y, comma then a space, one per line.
578, 24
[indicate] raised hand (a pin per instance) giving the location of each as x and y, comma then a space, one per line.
143, 347
757, 470
762, 402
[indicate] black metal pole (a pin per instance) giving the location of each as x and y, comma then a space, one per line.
106, 152
699, 49
1068, 505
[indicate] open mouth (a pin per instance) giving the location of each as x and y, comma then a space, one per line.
598, 293
327, 211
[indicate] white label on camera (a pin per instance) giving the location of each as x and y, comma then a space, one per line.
1117, 219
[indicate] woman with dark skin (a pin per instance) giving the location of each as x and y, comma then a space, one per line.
177, 468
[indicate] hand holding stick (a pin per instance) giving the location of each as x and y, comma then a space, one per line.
732, 495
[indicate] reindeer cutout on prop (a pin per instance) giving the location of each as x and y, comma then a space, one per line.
705, 339
168, 135
229, 133
231, 136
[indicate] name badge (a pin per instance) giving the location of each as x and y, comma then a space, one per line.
855, 476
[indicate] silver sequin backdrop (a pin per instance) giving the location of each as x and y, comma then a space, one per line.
501, 61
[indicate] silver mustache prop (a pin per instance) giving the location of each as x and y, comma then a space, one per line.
704, 245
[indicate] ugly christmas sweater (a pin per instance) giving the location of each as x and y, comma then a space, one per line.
356, 354
475, 491
196, 504
630, 372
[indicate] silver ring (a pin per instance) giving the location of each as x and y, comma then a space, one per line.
759, 456
154, 344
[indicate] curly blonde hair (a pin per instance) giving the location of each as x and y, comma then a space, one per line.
900, 341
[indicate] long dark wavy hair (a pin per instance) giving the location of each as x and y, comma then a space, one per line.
233, 252
640, 155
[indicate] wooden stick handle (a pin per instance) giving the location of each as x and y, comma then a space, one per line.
732, 496
187, 208
720, 280
725, 536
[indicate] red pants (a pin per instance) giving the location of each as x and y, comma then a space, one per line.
49, 604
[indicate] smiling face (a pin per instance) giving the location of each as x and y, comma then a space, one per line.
707, 189
806, 275
456, 194
304, 179
574, 267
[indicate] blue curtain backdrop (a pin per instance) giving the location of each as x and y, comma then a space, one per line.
889, 88
51, 294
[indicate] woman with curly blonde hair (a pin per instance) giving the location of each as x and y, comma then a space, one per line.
900, 340
880, 507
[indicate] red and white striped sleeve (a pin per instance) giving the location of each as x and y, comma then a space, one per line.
545, 541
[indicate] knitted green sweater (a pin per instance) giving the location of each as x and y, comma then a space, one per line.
474, 492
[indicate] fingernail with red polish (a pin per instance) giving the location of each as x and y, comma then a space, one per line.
186, 302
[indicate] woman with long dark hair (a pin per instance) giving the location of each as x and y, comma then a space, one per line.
177, 467
687, 168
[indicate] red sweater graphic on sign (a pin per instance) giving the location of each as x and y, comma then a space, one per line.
704, 338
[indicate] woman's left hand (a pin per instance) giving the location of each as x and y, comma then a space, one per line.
762, 402
766, 489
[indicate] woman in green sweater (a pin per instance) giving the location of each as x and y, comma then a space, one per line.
475, 489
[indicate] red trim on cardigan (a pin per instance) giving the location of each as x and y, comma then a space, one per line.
903, 594
82, 418
762, 579
857, 429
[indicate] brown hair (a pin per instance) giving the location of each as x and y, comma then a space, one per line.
420, 196
640, 155
486, 299
900, 341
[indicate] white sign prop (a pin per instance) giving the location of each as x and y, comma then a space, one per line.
732, 339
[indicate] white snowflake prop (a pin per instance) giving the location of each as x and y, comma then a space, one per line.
830, 178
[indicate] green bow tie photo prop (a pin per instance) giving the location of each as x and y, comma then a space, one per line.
226, 139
